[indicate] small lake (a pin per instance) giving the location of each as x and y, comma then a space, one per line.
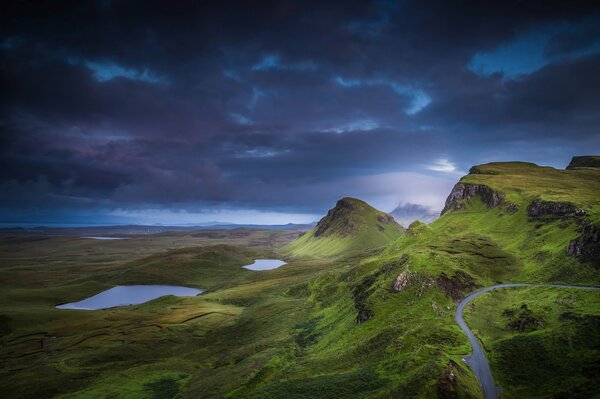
123, 295
265, 264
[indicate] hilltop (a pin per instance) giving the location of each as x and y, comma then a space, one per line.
363, 308
352, 225
393, 311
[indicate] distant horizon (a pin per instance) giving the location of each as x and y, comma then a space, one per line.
58, 224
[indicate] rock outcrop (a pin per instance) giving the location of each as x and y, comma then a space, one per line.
360, 295
447, 384
454, 287
522, 319
586, 161
402, 281
539, 208
463, 193
340, 212
586, 247
386, 219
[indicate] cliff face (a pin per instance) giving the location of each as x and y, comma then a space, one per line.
343, 219
341, 212
539, 208
587, 161
462, 193
587, 246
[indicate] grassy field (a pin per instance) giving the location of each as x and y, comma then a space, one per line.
541, 342
135, 351
358, 311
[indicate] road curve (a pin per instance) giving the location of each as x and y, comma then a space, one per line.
477, 360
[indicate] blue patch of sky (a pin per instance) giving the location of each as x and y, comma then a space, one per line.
105, 71
273, 62
257, 92
529, 53
240, 119
419, 99
12, 42
361, 125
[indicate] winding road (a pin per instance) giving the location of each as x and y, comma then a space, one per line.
477, 360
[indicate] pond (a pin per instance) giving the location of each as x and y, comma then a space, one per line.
123, 295
265, 264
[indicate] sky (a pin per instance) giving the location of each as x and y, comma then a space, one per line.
268, 112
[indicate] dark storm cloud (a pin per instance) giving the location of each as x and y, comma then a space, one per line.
284, 105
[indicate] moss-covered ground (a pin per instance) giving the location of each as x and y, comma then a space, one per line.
327, 324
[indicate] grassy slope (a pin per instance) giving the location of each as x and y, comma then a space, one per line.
412, 336
290, 332
557, 357
522, 182
367, 232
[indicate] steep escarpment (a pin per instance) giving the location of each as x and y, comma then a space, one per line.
585, 161
554, 212
391, 311
352, 225
539, 209
587, 246
462, 194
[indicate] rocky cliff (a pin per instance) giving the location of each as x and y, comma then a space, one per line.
587, 246
464, 193
539, 208
586, 161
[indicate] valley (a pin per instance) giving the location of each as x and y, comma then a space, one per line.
362, 308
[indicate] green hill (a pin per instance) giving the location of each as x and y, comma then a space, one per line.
390, 315
352, 225
363, 309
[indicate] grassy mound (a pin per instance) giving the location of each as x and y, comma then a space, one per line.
352, 225
361, 309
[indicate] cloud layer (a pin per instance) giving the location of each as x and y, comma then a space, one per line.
280, 108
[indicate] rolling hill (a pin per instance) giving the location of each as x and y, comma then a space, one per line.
362, 309
352, 225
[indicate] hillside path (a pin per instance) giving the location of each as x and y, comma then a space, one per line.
477, 360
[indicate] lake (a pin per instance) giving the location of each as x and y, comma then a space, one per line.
123, 295
265, 264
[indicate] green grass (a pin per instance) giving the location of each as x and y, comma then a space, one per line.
292, 332
557, 358
352, 226
522, 182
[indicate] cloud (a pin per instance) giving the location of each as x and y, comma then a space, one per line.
272, 62
539, 47
284, 106
362, 125
442, 165
240, 119
418, 98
